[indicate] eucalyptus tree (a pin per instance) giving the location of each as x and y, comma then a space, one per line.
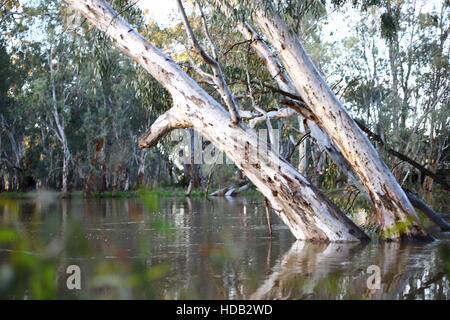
11, 151
288, 191
350, 153
15, 114
308, 213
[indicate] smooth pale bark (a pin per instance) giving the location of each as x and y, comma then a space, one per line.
396, 216
308, 213
60, 131
271, 61
302, 148
285, 83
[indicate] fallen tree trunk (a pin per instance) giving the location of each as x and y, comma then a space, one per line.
395, 215
232, 191
307, 212
430, 213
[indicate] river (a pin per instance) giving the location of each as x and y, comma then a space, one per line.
177, 248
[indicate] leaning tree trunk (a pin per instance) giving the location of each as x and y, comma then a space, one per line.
285, 83
395, 214
308, 213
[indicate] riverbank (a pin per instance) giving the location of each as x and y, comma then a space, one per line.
163, 192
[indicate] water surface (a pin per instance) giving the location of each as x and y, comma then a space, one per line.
175, 248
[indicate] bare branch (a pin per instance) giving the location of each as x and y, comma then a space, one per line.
207, 34
218, 78
165, 123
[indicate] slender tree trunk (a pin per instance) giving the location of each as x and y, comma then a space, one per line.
59, 130
395, 215
308, 213
65, 172
141, 169
302, 149
192, 170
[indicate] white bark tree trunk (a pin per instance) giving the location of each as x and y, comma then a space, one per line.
308, 213
276, 70
60, 130
395, 214
302, 148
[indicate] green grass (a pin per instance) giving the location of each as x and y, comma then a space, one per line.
111, 194
159, 192
75, 194
166, 192
17, 194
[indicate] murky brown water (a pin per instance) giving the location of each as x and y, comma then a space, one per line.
173, 248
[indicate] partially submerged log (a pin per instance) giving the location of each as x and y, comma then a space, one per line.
231, 191
309, 213
430, 213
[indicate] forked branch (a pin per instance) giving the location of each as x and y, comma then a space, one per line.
218, 78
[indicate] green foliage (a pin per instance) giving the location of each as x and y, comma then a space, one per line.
398, 228
388, 26
164, 192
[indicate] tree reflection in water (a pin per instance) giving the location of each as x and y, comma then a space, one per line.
339, 271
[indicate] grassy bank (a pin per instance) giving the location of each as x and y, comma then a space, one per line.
161, 192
